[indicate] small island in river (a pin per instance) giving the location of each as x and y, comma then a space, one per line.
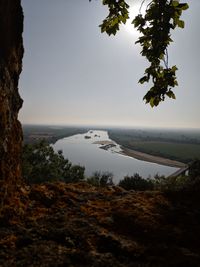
87, 137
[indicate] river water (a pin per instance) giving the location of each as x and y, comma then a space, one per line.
85, 150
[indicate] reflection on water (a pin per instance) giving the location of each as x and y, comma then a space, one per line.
97, 152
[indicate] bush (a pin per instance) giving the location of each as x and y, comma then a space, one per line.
136, 182
194, 169
101, 179
180, 183
40, 164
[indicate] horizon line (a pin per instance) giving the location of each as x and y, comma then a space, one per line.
111, 126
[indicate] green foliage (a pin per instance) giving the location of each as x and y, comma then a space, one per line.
101, 179
189, 182
180, 183
158, 181
160, 18
136, 182
161, 183
194, 169
118, 14
40, 163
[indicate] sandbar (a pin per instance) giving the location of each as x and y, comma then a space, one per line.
104, 142
144, 156
151, 158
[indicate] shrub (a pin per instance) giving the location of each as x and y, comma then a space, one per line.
101, 179
194, 168
180, 183
136, 182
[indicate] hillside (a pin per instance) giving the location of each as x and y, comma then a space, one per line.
81, 225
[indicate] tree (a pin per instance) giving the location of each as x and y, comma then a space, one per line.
40, 163
11, 53
160, 18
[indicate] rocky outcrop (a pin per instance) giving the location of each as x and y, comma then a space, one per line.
11, 53
81, 225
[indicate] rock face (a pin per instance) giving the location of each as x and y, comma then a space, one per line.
11, 53
83, 226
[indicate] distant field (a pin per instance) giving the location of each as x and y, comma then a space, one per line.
182, 152
180, 145
35, 133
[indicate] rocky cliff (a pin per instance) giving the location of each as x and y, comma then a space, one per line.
11, 53
81, 225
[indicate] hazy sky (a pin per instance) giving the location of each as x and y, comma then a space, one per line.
73, 74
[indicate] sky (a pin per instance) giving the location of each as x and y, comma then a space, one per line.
75, 75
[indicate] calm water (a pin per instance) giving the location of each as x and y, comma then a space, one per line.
81, 149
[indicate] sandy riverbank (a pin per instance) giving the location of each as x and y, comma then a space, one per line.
145, 157
151, 158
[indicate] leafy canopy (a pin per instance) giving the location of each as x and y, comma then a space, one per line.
40, 163
136, 182
155, 26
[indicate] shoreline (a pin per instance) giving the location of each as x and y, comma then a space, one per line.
150, 158
144, 156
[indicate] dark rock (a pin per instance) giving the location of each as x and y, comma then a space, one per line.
11, 52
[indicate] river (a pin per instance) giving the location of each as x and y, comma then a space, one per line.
97, 152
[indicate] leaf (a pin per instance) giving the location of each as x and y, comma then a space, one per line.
175, 3
174, 68
184, 6
175, 83
143, 79
170, 94
156, 101
152, 102
181, 24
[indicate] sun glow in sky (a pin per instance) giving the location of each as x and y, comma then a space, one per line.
134, 10
129, 27
73, 74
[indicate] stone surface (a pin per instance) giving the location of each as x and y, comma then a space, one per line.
80, 225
